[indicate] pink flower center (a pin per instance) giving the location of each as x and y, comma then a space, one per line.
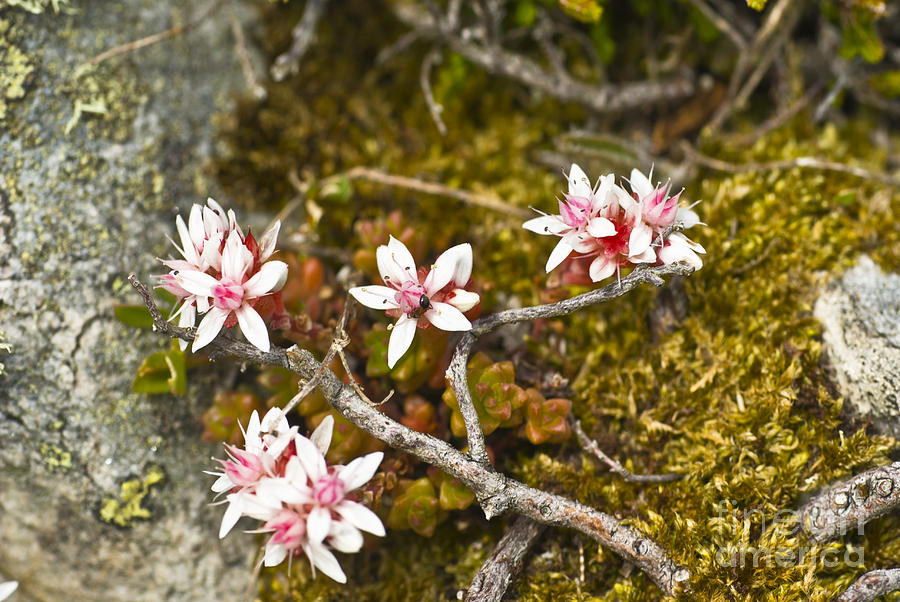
409, 297
228, 296
244, 469
329, 490
289, 529
575, 211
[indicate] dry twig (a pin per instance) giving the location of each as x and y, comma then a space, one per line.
505, 563
303, 35
495, 59
240, 45
614, 466
434, 108
803, 162
872, 585
852, 503
464, 196
153, 39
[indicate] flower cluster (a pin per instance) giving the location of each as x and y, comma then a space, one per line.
612, 228
437, 294
223, 274
281, 478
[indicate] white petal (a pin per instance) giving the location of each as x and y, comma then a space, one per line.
197, 283
187, 245
236, 258
602, 268
648, 256
275, 554
358, 472
559, 254
453, 265
202, 304
463, 300
447, 317
209, 327
600, 227
640, 239
295, 474
312, 459
266, 279
318, 523
345, 538
395, 263
579, 185
7, 588
195, 225
274, 420
231, 517
375, 296
187, 319
687, 218
267, 241
253, 327
401, 338
321, 437
223, 483
361, 517
326, 562
546, 224
640, 183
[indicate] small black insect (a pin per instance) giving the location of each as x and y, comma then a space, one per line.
424, 302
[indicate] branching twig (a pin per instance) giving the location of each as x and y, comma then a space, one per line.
615, 467
804, 162
496, 493
872, 585
457, 374
852, 503
153, 39
497, 60
505, 563
303, 35
779, 119
434, 108
240, 45
721, 23
464, 196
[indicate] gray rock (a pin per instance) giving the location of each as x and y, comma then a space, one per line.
84, 201
860, 314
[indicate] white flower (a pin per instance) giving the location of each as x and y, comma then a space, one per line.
438, 295
231, 293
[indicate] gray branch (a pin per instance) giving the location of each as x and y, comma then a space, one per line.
505, 563
872, 585
590, 445
303, 35
496, 493
852, 503
495, 59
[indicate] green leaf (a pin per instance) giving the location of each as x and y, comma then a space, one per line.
586, 11
133, 315
162, 372
861, 38
888, 83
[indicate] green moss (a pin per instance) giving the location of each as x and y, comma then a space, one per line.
38, 6
128, 506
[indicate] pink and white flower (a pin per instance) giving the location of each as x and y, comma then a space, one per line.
612, 229
204, 240
437, 294
283, 480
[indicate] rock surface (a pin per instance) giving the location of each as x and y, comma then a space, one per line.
860, 314
84, 200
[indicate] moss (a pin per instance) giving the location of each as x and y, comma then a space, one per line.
734, 394
38, 6
128, 507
